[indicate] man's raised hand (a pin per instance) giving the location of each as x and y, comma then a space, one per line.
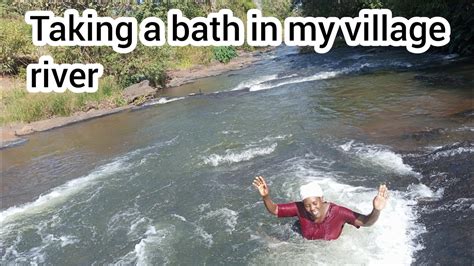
381, 199
260, 184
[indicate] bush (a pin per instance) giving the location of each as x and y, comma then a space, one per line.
224, 54
280, 9
143, 63
16, 48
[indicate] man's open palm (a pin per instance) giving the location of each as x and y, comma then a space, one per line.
381, 199
260, 184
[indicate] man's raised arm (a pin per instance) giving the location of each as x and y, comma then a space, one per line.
379, 203
260, 184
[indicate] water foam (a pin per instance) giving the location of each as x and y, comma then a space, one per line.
392, 240
421, 191
234, 156
61, 193
458, 205
319, 76
8, 144
204, 236
153, 243
452, 152
228, 216
164, 100
229, 132
253, 82
35, 255
450, 56
465, 128
378, 156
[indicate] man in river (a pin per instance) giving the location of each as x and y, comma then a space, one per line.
320, 219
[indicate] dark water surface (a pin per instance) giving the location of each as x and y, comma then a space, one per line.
170, 183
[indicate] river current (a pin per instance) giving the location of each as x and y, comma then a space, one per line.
170, 182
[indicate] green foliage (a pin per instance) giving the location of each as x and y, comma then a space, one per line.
224, 54
372, 4
143, 63
110, 8
150, 9
280, 9
457, 12
190, 9
331, 8
16, 48
239, 8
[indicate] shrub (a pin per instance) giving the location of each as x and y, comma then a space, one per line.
224, 54
16, 48
143, 63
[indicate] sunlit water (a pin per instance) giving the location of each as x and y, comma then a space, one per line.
170, 183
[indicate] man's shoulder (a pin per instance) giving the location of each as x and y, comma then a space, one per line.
334, 205
339, 209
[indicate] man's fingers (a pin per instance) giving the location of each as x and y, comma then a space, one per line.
380, 192
385, 191
258, 187
259, 181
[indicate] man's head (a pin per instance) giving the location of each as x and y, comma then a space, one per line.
312, 197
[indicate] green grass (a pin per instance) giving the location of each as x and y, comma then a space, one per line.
16, 47
188, 56
18, 104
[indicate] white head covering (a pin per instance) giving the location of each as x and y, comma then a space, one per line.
311, 189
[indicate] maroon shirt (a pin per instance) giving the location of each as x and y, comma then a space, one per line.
330, 228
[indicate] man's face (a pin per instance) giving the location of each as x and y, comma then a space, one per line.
313, 205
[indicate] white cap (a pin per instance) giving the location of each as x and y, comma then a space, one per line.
311, 189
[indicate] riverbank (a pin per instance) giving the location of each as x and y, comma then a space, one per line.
12, 134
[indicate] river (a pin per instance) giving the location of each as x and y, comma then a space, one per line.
170, 182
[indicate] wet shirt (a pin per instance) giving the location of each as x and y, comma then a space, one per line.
330, 228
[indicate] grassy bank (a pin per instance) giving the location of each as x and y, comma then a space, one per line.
18, 105
120, 70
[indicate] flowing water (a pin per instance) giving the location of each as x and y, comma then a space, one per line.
170, 182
